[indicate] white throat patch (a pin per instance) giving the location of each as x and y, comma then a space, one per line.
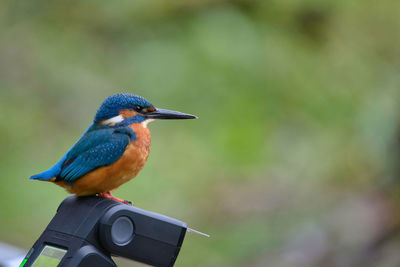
112, 121
145, 122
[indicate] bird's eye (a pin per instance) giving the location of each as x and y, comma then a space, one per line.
138, 108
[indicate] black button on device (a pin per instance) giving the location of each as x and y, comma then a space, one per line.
122, 231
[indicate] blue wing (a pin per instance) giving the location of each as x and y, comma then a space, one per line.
99, 146
95, 149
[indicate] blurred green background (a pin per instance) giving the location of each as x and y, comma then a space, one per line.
294, 160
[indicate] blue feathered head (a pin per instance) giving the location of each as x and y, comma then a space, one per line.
115, 103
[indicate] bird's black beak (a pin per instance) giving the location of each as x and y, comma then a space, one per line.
164, 114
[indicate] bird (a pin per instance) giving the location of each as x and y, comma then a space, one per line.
112, 150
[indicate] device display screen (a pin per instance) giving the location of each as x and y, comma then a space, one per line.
49, 257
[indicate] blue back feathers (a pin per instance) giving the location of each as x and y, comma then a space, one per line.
100, 146
113, 104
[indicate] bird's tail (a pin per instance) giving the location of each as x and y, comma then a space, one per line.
47, 175
56, 169
43, 176
50, 173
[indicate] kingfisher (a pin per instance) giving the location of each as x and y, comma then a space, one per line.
112, 150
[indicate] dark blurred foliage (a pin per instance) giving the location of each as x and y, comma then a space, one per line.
294, 160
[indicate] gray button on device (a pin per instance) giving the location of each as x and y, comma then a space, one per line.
122, 231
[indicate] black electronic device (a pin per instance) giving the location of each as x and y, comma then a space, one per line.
87, 231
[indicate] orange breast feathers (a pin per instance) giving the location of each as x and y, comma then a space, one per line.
110, 177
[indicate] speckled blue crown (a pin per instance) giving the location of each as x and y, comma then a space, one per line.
114, 103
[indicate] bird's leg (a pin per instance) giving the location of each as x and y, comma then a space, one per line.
109, 196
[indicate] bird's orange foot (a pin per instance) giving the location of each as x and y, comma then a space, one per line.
109, 196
